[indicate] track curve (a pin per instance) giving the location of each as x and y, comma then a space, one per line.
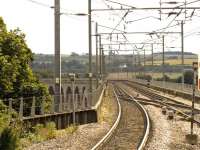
132, 127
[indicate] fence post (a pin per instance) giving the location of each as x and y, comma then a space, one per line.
60, 103
52, 105
42, 105
33, 107
77, 102
21, 107
10, 105
64, 101
83, 101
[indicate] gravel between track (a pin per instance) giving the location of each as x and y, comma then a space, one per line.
169, 134
87, 135
130, 130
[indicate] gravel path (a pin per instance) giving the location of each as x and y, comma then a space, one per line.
82, 139
87, 135
161, 133
169, 134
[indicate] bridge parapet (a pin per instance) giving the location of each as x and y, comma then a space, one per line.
38, 106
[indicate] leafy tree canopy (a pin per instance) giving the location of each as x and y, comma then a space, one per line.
16, 76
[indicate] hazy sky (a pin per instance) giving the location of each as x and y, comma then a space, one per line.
37, 22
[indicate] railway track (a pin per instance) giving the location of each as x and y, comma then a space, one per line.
160, 101
157, 98
131, 129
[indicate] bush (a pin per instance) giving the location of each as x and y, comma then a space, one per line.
165, 78
42, 133
71, 129
145, 77
8, 139
4, 116
9, 136
51, 127
188, 77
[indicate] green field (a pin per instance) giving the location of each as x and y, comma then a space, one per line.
173, 75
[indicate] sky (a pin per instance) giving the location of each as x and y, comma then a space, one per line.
37, 22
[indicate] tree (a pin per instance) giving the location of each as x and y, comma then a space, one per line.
188, 77
16, 76
74, 54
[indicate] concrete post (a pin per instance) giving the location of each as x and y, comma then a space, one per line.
163, 60
73, 101
21, 107
193, 100
139, 64
53, 105
59, 122
83, 101
57, 59
133, 65
182, 53
33, 107
152, 60
100, 57
77, 102
103, 64
64, 100
60, 104
97, 58
90, 43
144, 62
193, 138
42, 105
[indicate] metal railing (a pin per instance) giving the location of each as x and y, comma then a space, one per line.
41, 105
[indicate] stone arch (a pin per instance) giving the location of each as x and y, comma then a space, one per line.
77, 97
83, 90
51, 90
83, 96
62, 92
76, 91
69, 90
68, 98
63, 98
85, 102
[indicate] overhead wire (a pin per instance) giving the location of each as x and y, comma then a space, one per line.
119, 3
122, 17
172, 8
39, 3
65, 11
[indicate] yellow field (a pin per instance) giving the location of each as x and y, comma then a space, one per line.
173, 62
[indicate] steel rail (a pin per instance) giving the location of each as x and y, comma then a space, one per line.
111, 131
146, 118
147, 93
